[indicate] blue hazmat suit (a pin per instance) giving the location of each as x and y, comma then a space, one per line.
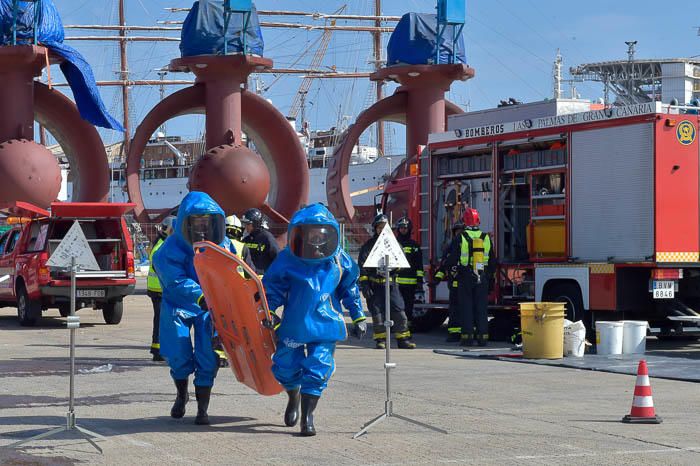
311, 291
180, 311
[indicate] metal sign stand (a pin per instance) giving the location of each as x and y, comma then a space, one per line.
388, 366
73, 324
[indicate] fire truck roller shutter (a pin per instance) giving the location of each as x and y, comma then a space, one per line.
612, 193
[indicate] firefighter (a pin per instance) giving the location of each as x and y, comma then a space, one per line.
410, 280
454, 328
153, 289
262, 245
471, 254
184, 310
311, 278
234, 232
372, 287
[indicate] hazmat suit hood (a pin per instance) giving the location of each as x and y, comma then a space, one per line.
315, 216
196, 203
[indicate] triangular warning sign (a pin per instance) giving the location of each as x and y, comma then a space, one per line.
74, 244
387, 245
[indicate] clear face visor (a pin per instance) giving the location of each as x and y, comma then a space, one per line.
204, 227
313, 241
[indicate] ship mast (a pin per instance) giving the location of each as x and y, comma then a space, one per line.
377, 65
124, 78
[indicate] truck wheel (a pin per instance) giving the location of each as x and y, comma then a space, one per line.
28, 311
570, 294
112, 312
425, 320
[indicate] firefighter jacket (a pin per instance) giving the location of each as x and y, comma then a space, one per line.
414, 274
263, 249
471, 250
153, 284
368, 275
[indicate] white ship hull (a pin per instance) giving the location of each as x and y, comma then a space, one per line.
366, 181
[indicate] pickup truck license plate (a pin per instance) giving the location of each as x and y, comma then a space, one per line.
663, 289
95, 294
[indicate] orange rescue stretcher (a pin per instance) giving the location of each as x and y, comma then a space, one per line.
238, 309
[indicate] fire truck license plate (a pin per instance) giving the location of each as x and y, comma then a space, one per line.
664, 289
98, 294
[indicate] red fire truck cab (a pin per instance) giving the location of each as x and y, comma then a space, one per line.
598, 208
32, 286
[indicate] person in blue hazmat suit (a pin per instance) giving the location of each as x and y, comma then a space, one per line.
311, 277
184, 308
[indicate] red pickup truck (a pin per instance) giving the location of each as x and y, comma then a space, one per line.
33, 286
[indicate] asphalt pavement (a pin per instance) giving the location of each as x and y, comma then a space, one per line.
494, 412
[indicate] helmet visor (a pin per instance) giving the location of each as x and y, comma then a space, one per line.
204, 227
313, 241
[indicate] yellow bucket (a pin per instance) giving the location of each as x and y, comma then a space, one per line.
542, 325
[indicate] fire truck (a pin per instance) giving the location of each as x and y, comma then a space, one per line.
595, 206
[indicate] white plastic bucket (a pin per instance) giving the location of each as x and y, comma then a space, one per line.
608, 337
634, 340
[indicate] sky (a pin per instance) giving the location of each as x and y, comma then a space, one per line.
510, 43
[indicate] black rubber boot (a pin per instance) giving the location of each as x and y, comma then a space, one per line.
291, 414
405, 343
380, 343
178, 409
203, 394
453, 338
467, 341
308, 404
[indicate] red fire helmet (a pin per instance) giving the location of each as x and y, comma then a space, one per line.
471, 218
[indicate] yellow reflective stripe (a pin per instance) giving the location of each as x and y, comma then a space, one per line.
377, 280
252, 245
363, 278
454, 329
408, 249
406, 281
455, 284
379, 335
403, 335
359, 319
440, 275
221, 354
155, 345
199, 300
420, 273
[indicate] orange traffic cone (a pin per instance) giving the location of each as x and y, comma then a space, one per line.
642, 404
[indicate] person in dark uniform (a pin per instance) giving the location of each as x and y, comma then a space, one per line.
372, 286
262, 245
471, 254
153, 288
454, 327
409, 280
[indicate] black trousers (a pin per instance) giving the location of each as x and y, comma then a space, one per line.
396, 311
408, 293
473, 305
156, 298
454, 325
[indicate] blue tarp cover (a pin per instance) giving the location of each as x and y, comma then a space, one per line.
76, 69
414, 42
203, 31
